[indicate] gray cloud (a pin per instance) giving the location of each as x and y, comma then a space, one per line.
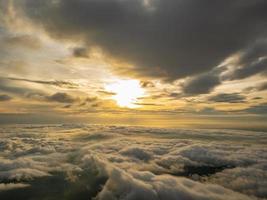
137, 153
9, 87
92, 101
258, 109
258, 67
260, 87
147, 84
201, 84
80, 52
61, 98
62, 84
254, 52
169, 38
251, 61
4, 97
228, 98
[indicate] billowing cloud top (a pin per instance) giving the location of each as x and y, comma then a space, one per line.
130, 163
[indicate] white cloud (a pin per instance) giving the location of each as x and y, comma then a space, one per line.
133, 185
141, 162
250, 180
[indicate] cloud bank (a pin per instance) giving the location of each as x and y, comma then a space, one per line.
116, 162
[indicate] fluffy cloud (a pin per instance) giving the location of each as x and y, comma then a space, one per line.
178, 38
136, 152
134, 162
244, 179
145, 185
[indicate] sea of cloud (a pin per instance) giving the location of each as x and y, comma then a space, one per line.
131, 163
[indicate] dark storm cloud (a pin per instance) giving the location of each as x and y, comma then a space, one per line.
252, 61
201, 84
228, 98
4, 97
62, 84
61, 98
255, 52
169, 38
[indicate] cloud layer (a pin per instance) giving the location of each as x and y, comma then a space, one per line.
133, 162
169, 38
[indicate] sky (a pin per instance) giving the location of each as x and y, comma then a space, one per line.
142, 62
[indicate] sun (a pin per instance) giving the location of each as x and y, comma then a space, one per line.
126, 92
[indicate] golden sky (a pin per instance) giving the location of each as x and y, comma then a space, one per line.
133, 62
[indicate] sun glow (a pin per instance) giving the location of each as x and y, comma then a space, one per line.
126, 92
